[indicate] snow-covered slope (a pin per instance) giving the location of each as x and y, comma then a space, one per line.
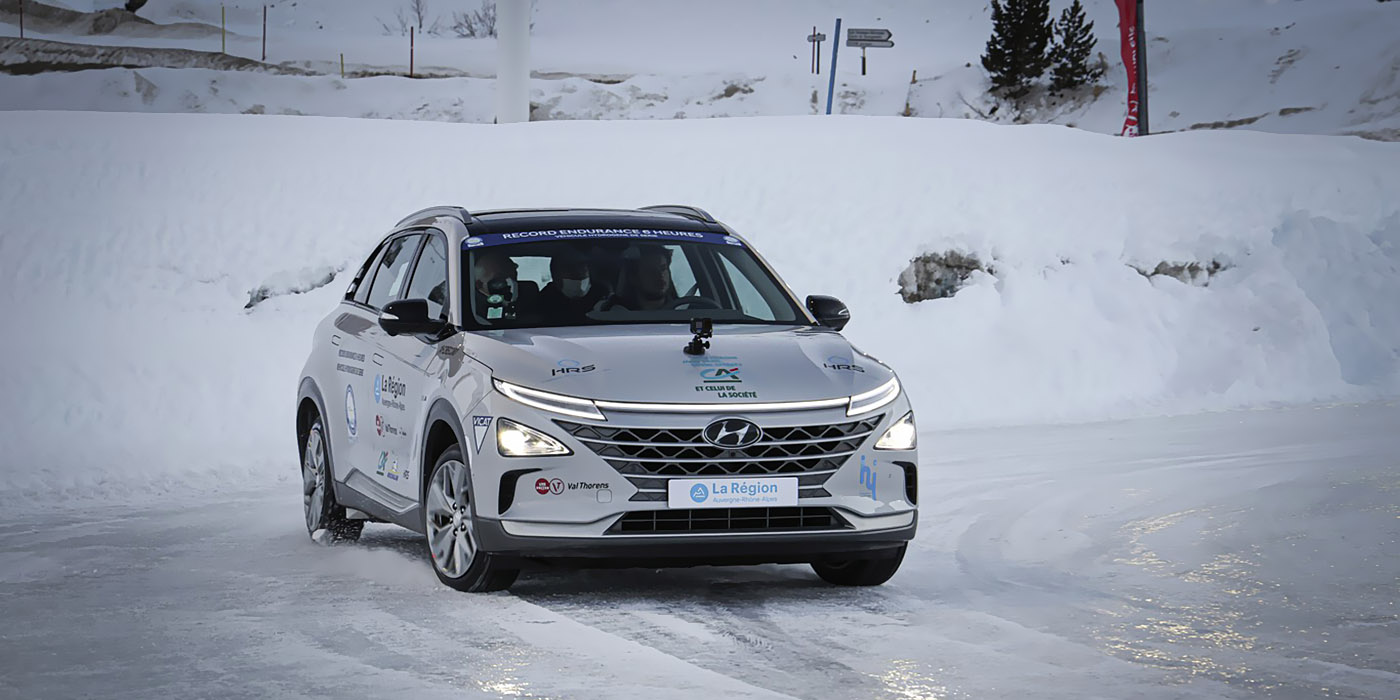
129, 245
1297, 66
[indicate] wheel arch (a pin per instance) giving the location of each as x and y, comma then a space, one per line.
309, 405
442, 430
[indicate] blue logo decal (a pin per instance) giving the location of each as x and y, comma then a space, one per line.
350, 409
699, 493
378, 386
474, 242
867, 475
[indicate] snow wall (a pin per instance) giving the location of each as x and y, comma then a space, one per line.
129, 245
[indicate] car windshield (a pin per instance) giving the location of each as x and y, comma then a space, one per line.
578, 277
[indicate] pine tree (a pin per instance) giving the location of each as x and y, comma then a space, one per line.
1074, 44
1018, 50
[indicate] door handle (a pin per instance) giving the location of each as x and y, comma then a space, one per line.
335, 340
378, 359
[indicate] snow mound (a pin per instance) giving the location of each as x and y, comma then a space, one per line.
131, 242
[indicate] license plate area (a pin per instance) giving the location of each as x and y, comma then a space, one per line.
732, 493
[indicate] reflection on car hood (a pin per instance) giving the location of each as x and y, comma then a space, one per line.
645, 363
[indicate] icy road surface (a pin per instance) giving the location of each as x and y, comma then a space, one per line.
1218, 555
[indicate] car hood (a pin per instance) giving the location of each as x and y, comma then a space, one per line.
645, 363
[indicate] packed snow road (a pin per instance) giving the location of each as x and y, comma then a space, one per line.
1218, 555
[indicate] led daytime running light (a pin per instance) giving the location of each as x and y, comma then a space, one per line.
877, 398
545, 401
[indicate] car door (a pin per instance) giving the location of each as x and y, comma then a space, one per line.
385, 282
404, 384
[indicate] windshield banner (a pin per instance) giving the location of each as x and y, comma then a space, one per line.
492, 239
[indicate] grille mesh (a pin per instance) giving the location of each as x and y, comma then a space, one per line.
648, 457
663, 522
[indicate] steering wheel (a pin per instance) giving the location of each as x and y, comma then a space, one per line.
702, 302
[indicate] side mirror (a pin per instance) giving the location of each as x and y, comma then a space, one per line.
829, 311
408, 317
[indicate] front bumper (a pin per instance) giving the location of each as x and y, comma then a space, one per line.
695, 549
596, 503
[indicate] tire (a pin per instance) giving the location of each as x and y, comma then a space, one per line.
449, 512
323, 514
861, 572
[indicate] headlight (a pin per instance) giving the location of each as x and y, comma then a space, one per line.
545, 401
516, 440
900, 436
873, 399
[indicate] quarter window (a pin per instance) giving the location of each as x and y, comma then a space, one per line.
391, 271
430, 277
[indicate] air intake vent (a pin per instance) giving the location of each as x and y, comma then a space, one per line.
675, 522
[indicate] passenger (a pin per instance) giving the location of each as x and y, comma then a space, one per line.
497, 289
571, 293
645, 282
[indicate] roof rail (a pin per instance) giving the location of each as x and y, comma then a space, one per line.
459, 213
685, 210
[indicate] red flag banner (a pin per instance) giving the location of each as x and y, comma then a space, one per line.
1127, 25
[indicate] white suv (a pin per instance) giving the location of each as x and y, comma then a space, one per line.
600, 387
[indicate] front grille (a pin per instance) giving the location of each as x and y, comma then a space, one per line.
666, 522
649, 457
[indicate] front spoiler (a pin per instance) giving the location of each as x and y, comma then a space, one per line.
688, 550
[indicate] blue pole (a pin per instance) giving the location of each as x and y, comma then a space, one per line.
831, 86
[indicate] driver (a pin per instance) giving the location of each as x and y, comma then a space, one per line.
645, 283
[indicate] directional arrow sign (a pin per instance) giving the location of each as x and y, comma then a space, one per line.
816, 37
870, 44
854, 35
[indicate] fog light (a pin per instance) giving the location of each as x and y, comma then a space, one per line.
900, 436
516, 440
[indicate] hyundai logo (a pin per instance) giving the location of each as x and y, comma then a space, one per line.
732, 433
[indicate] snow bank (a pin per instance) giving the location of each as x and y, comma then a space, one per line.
130, 244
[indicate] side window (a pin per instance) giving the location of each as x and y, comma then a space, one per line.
430, 277
751, 302
391, 271
360, 287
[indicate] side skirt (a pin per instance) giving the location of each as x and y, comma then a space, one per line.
362, 493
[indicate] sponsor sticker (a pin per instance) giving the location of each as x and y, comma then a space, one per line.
867, 476
388, 390
480, 426
546, 487
384, 427
842, 364
350, 409
571, 367
721, 376
731, 493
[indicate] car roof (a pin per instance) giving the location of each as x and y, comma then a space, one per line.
665, 217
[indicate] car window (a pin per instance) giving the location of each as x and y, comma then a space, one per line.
359, 288
430, 277
391, 271
616, 276
750, 300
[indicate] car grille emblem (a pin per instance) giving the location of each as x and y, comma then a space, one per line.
732, 433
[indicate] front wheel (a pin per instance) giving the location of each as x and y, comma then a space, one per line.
861, 572
325, 519
449, 512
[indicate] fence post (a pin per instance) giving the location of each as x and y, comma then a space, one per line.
342, 65
264, 58
223, 30
21, 19
411, 33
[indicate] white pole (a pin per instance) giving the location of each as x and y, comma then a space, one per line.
513, 61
